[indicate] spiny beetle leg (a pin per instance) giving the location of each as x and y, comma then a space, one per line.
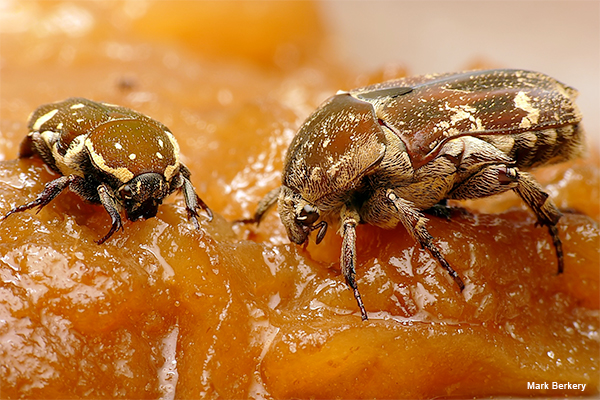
545, 210
265, 204
553, 230
109, 205
348, 256
52, 189
414, 223
193, 202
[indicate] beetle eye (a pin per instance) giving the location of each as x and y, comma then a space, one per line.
126, 192
308, 215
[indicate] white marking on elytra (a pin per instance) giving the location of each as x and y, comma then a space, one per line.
80, 120
132, 156
523, 102
59, 126
40, 121
76, 106
69, 163
170, 170
161, 143
118, 146
159, 155
122, 174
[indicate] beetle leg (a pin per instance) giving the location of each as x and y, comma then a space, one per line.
52, 189
415, 222
108, 202
350, 219
545, 210
490, 180
265, 204
193, 202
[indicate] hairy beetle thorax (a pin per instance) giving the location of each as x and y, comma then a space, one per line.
340, 143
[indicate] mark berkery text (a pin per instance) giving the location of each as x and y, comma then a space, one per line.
556, 385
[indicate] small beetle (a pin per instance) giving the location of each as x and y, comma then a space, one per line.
108, 155
383, 153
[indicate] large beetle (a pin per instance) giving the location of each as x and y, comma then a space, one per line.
382, 154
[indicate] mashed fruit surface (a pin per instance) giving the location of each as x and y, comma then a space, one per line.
234, 311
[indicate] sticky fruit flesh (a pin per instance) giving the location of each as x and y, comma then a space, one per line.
235, 312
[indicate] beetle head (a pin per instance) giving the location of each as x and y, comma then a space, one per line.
142, 195
299, 217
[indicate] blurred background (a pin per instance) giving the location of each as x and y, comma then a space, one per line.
559, 38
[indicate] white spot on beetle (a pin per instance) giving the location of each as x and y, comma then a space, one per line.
44, 118
122, 174
118, 146
59, 126
161, 143
76, 106
171, 169
80, 120
159, 155
69, 163
132, 156
523, 102
461, 112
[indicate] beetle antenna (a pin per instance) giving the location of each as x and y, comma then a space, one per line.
322, 227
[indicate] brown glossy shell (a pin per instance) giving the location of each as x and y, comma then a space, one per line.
120, 141
133, 144
425, 111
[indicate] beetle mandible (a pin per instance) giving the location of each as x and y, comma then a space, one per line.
382, 154
108, 155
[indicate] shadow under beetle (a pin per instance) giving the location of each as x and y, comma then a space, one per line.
383, 153
108, 155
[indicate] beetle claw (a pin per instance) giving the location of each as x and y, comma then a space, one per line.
116, 225
193, 202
